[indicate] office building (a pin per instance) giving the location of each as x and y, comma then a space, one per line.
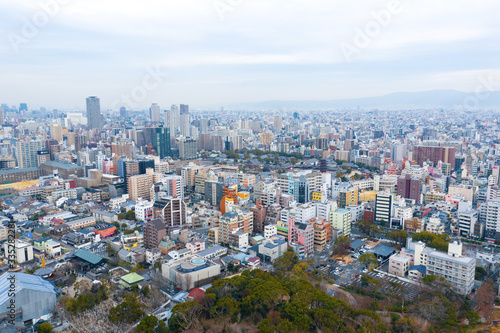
161, 141
383, 207
94, 117
301, 190
154, 113
213, 192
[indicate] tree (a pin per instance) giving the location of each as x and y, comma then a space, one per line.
184, 316
293, 161
121, 216
368, 259
147, 324
45, 328
480, 273
368, 228
109, 250
342, 246
130, 215
286, 262
129, 310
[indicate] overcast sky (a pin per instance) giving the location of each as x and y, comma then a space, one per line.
217, 52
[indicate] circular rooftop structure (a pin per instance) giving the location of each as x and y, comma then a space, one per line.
193, 265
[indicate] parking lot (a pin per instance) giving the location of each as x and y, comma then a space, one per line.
388, 285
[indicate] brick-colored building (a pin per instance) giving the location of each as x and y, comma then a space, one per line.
154, 231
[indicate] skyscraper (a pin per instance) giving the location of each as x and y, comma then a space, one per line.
278, 123
23, 107
123, 112
184, 109
93, 112
2, 116
174, 120
161, 141
154, 112
184, 120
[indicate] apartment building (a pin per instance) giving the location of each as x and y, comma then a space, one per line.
154, 231
322, 232
341, 219
171, 210
456, 268
490, 216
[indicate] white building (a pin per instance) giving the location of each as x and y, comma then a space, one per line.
456, 268
270, 230
23, 251
144, 210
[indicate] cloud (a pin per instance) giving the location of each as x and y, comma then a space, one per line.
261, 49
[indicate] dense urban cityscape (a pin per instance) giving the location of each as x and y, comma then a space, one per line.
263, 166
133, 219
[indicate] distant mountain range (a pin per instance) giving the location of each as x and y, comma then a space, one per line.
400, 101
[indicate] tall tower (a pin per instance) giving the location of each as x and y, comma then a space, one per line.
154, 111
184, 120
174, 120
93, 112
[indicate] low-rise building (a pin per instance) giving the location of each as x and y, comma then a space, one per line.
191, 272
399, 265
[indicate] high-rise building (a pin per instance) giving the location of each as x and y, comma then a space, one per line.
341, 219
434, 154
161, 141
383, 207
94, 117
2, 116
154, 112
154, 231
56, 132
301, 189
173, 120
349, 134
27, 153
184, 109
171, 210
139, 186
23, 107
398, 152
410, 188
123, 112
278, 123
259, 216
187, 148
213, 192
